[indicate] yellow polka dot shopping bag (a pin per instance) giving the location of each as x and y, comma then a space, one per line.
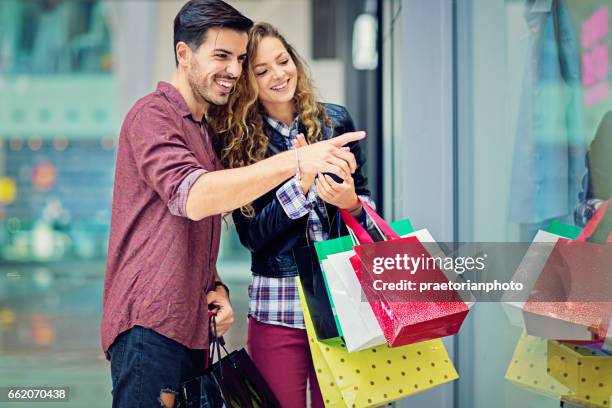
586, 372
528, 368
378, 375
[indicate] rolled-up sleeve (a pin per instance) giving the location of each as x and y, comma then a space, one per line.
178, 204
162, 157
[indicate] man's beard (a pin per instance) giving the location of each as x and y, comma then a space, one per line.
199, 88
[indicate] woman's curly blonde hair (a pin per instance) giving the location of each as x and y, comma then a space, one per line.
239, 125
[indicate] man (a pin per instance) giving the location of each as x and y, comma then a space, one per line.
169, 191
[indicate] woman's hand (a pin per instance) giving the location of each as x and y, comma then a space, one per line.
342, 195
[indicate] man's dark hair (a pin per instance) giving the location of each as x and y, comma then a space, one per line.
197, 16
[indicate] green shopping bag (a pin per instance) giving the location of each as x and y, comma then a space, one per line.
565, 230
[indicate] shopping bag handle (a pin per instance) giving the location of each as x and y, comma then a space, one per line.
378, 220
594, 222
212, 312
216, 342
359, 231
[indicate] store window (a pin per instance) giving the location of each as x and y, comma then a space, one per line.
532, 132
497, 124
539, 91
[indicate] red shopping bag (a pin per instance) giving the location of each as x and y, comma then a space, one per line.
571, 300
405, 316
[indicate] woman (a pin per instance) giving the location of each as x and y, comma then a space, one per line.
274, 103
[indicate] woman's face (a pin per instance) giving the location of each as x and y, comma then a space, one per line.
275, 72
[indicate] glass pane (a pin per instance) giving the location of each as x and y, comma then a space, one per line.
534, 101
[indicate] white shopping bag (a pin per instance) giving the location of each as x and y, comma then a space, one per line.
360, 328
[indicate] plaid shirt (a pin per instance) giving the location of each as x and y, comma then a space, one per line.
276, 300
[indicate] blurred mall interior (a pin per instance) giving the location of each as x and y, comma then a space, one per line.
450, 92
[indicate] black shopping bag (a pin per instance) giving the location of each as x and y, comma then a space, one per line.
232, 381
316, 296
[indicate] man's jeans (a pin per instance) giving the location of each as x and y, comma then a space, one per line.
144, 364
